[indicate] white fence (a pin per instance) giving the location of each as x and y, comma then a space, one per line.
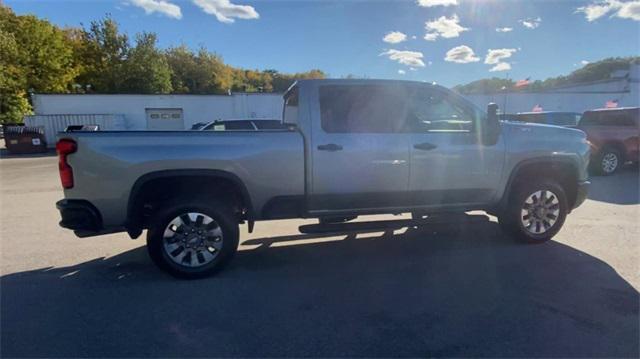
53, 124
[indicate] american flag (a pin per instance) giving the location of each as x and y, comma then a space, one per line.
537, 108
522, 83
611, 104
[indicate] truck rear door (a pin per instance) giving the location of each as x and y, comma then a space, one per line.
359, 153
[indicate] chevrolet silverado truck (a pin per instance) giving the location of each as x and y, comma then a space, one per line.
346, 148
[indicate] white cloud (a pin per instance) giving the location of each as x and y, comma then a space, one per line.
225, 11
531, 23
160, 6
504, 29
596, 10
630, 10
584, 62
462, 55
408, 58
394, 37
621, 9
501, 66
430, 3
495, 56
443, 27
401, 72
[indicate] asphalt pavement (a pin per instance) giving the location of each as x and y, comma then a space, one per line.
454, 289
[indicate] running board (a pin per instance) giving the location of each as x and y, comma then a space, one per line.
389, 224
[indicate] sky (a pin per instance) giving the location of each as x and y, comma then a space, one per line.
449, 42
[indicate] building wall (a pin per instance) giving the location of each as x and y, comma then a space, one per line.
578, 98
195, 108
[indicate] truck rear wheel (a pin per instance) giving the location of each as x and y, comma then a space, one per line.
536, 211
192, 238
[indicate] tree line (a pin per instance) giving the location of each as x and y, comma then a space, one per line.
37, 56
594, 71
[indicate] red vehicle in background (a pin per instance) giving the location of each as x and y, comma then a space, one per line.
613, 135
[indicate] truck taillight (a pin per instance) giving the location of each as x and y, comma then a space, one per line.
64, 148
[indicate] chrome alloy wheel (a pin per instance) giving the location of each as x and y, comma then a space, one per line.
192, 239
609, 162
540, 211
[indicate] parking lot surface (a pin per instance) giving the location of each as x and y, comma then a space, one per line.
458, 289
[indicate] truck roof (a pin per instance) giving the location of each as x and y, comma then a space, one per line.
365, 81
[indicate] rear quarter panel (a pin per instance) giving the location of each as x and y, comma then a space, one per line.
107, 164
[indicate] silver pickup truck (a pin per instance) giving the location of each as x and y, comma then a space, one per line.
346, 148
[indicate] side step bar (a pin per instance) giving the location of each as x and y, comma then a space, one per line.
455, 219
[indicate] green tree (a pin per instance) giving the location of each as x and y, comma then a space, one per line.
146, 69
34, 56
104, 51
491, 85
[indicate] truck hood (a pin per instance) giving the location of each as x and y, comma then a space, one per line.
560, 132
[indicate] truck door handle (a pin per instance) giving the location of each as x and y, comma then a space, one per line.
426, 146
331, 147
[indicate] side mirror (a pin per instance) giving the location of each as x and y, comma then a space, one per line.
492, 111
492, 129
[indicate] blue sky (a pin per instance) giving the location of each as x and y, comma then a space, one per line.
546, 38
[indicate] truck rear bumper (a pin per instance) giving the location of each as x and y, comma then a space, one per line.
581, 193
79, 215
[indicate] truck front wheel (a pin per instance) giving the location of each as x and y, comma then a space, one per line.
535, 211
192, 238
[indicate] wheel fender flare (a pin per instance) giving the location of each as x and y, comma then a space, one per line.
134, 228
522, 165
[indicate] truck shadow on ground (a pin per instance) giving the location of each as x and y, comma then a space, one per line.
622, 187
459, 289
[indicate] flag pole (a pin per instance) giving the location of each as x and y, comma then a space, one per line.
504, 103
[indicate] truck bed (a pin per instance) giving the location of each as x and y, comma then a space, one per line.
107, 164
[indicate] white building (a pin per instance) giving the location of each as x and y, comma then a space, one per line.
623, 86
55, 112
161, 112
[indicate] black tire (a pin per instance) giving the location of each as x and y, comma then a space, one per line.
217, 211
602, 161
511, 218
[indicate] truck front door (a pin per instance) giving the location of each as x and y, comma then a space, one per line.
359, 151
450, 162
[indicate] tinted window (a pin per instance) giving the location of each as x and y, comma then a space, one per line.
624, 118
532, 118
564, 119
363, 109
438, 112
590, 119
238, 125
268, 124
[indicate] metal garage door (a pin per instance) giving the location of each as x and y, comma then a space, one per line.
165, 119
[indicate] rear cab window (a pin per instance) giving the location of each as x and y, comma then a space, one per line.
362, 109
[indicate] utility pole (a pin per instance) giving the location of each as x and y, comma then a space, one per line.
504, 103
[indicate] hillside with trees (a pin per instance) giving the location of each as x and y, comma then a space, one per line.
600, 70
39, 57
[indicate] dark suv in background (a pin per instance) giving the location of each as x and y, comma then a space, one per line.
613, 135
